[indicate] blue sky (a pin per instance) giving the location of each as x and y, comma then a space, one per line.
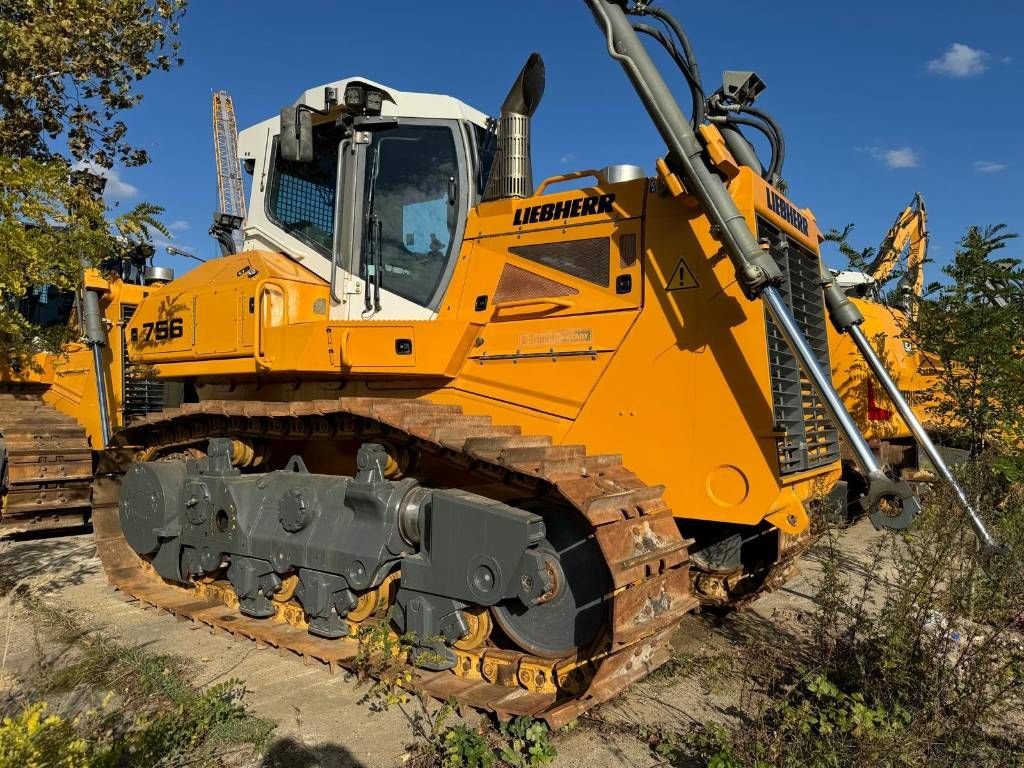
878, 100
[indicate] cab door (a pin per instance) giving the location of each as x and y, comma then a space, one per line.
414, 193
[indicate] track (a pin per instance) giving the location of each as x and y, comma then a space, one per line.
645, 556
45, 464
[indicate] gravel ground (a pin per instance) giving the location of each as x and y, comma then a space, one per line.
320, 713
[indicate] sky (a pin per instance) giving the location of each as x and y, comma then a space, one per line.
877, 100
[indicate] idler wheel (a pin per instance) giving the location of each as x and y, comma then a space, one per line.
576, 613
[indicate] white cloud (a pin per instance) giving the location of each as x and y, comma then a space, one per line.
904, 157
566, 159
899, 157
179, 225
1007, 59
959, 61
988, 166
116, 188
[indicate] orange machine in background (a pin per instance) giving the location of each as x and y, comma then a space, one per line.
902, 253
56, 411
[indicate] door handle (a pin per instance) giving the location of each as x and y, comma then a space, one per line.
539, 302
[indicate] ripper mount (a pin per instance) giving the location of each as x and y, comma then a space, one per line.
339, 536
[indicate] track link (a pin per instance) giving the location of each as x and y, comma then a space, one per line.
644, 553
46, 467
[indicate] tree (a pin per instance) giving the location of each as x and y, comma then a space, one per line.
69, 69
972, 328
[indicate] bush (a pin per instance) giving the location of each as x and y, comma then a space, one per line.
919, 663
120, 706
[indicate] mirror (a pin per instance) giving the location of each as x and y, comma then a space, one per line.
296, 140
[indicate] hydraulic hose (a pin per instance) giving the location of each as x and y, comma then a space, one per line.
780, 158
768, 134
756, 269
667, 18
697, 114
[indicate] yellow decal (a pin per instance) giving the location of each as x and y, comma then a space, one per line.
554, 338
681, 278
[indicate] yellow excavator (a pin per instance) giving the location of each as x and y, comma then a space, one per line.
60, 409
525, 428
906, 244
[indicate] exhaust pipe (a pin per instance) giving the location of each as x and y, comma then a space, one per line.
756, 270
512, 170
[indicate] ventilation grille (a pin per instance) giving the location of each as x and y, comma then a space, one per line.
517, 283
141, 396
585, 259
811, 439
627, 251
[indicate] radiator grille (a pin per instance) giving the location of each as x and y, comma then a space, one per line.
516, 283
810, 438
141, 396
586, 259
627, 251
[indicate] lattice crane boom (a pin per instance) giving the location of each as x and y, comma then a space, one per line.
230, 190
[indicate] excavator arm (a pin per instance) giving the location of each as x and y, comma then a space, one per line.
908, 235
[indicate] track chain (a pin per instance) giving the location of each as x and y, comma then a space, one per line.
644, 553
45, 464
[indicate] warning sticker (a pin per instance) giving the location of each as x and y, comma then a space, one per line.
682, 278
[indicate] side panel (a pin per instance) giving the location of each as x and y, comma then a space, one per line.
685, 399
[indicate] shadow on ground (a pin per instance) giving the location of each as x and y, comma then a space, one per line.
48, 562
289, 753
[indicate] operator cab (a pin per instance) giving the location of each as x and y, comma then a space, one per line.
369, 188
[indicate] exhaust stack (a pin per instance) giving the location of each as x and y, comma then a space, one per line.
512, 170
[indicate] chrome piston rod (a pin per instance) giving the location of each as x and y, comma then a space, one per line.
911, 420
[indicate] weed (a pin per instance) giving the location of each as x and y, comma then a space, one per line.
527, 743
917, 662
121, 706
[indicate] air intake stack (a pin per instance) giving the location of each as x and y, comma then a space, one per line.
512, 170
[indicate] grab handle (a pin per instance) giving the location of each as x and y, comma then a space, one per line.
601, 179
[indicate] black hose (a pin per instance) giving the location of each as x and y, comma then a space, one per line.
684, 41
696, 93
780, 157
768, 134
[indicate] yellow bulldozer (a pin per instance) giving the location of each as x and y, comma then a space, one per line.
526, 428
59, 409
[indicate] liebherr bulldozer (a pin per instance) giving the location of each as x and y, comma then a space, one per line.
60, 408
528, 428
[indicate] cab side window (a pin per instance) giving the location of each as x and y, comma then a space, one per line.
301, 195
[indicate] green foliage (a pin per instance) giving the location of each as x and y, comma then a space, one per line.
971, 330
519, 743
924, 667
466, 747
527, 743
381, 663
69, 68
34, 738
125, 706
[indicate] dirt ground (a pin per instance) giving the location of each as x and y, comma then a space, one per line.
321, 713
